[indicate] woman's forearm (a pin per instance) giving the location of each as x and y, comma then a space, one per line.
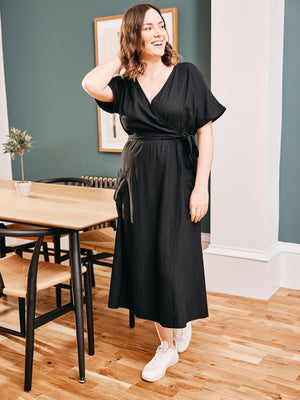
95, 82
205, 147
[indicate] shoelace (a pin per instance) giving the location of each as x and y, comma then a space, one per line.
159, 352
181, 332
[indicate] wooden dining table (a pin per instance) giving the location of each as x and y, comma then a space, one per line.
61, 206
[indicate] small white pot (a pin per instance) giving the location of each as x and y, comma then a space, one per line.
23, 188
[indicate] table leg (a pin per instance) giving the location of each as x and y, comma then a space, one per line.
78, 301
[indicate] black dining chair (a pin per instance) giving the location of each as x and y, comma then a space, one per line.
24, 278
58, 253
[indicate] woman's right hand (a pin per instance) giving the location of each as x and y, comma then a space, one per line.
95, 82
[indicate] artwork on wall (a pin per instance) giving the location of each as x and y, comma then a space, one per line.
112, 136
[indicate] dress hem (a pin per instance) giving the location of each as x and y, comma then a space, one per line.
165, 325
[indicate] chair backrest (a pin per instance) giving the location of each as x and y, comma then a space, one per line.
68, 181
40, 233
32, 232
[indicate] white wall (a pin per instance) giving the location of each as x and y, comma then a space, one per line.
5, 162
246, 74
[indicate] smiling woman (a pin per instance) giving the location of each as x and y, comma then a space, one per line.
162, 191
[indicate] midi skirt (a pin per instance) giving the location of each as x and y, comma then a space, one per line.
158, 270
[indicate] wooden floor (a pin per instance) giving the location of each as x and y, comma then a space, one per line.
246, 350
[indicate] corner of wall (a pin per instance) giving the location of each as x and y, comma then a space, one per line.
5, 162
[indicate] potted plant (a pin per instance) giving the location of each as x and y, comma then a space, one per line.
17, 143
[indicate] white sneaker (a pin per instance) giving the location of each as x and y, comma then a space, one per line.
163, 359
182, 337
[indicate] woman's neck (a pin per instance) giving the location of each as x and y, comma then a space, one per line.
153, 67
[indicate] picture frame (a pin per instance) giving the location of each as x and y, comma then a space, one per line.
112, 136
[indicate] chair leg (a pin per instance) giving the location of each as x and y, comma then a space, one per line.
45, 251
71, 292
89, 310
19, 252
92, 274
56, 242
131, 319
58, 296
91, 266
22, 314
29, 343
2, 247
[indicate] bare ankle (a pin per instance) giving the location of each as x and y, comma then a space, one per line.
171, 345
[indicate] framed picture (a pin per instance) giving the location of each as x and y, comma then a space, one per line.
112, 136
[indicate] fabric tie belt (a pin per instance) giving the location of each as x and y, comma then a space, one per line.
190, 148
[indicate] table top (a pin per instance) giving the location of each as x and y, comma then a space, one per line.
53, 205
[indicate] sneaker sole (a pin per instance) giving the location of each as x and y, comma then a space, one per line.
182, 351
156, 378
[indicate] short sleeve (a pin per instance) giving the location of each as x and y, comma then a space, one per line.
117, 85
207, 106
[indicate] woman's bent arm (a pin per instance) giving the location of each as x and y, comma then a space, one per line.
95, 83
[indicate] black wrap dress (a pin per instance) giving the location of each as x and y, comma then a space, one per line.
158, 268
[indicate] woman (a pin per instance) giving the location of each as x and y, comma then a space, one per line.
162, 192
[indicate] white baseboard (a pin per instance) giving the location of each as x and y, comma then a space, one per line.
290, 265
244, 274
205, 240
255, 274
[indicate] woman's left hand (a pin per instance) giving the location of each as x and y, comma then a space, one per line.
198, 203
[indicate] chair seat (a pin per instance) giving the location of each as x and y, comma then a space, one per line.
102, 240
14, 271
48, 239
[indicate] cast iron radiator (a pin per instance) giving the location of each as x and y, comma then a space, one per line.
102, 182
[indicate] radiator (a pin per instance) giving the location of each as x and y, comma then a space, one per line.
102, 182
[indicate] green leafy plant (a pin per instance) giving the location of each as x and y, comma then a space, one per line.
17, 143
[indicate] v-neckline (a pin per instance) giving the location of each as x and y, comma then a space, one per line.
160, 90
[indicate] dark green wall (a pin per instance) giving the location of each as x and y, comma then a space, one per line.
48, 47
289, 221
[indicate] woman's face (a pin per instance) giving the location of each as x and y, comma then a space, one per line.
154, 34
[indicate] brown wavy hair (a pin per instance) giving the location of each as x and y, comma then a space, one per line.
131, 41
